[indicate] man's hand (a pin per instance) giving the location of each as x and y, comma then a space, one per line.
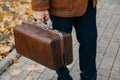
41, 15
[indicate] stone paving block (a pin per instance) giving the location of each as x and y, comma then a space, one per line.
5, 76
21, 76
116, 37
105, 18
24, 72
7, 61
115, 75
115, 71
54, 78
48, 74
103, 43
106, 66
75, 75
35, 75
42, 68
75, 72
43, 79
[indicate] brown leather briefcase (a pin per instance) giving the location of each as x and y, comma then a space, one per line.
48, 47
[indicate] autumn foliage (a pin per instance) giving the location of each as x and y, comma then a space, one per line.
12, 13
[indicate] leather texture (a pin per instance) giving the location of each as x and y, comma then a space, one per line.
62, 8
43, 46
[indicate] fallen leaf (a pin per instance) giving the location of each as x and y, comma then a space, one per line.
33, 67
12, 13
29, 78
17, 64
1, 58
6, 67
11, 40
14, 58
4, 49
4, 54
16, 72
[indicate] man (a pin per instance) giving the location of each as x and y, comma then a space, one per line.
65, 14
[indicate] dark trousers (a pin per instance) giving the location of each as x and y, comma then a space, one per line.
86, 32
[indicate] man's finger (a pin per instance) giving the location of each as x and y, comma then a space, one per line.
47, 17
42, 20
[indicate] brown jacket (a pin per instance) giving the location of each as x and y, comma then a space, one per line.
62, 8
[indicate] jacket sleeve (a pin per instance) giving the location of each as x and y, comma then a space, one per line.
40, 5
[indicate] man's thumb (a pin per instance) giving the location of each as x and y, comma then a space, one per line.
47, 15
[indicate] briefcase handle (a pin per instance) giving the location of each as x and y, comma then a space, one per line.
45, 23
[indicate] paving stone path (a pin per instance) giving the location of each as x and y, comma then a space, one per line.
108, 49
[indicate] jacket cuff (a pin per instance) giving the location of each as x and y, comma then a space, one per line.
40, 5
